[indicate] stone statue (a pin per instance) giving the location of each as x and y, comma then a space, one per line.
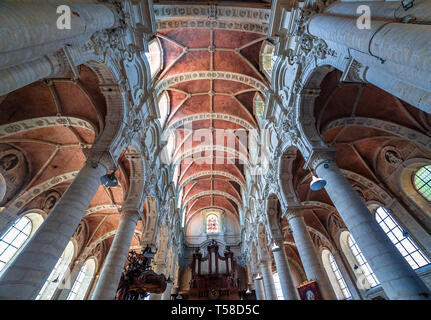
393, 157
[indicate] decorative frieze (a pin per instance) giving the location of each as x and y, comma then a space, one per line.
386, 126
212, 116
43, 122
175, 11
209, 75
213, 173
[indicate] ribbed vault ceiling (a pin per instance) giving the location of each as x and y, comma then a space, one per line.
211, 77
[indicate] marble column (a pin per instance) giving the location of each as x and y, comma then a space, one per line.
311, 262
396, 276
394, 41
34, 50
167, 294
27, 274
397, 55
283, 271
30, 29
109, 279
258, 288
268, 280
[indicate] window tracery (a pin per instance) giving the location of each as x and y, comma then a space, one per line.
401, 239
13, 239
422, 181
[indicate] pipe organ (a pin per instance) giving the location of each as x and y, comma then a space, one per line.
213, 275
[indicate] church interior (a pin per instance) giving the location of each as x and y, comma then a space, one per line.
215, 150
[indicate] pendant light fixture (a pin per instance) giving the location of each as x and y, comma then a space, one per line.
109, 179
316, 182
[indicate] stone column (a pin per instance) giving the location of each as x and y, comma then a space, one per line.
167, 294
396, 276
34, 50
311, 262
397, 55
350, 281
110, 276
394, 41
258, 288
268, 280
30, 29
283, 270
27, 274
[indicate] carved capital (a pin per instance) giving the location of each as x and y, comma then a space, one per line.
293, 212
319, 156
279, 244
354, 72
104, 158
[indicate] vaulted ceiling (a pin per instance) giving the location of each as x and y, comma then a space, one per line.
52, 123
211, 77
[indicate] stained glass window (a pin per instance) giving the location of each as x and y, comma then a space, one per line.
422, 181
212, 224
414, 256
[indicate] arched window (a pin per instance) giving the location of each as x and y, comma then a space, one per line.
154, 57
57, 274
278, 286
83, 280
362, 262
414, 256
267, 58
163, 105
259, 105
13, 239
422, 181
335, 276
212, 224
16, 236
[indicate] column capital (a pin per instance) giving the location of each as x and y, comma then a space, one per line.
257, 276
130, 212
319, 156
293, 212
279, 244
100, 157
